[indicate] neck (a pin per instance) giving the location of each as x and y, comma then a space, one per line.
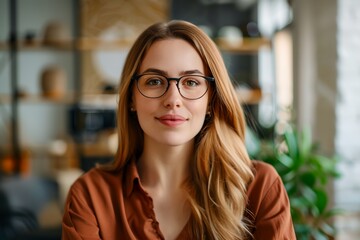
165, 167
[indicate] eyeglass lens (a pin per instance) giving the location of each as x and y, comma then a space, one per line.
189, 86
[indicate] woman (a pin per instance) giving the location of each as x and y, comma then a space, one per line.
181, 170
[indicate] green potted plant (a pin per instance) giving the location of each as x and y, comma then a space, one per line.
305, 174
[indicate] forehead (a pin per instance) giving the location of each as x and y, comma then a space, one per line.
172, 56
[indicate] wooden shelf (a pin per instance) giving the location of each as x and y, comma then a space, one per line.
95, 150
82, 44
87, 44
3, 46
248, 95
38, 45
5, 99
89, 100
36, 99
247, 45
108, 101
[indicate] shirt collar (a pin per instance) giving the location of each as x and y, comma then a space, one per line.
131, 176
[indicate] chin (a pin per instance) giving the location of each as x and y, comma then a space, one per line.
175, 142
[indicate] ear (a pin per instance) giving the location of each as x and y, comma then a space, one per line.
132, 103
132, 106
132, 100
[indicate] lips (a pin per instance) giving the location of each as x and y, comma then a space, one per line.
171, 120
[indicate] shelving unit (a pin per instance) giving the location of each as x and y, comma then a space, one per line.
76, 96
249, 46
19, 52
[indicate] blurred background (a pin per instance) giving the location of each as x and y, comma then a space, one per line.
295, 65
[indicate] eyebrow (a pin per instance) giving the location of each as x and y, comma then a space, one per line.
165, 73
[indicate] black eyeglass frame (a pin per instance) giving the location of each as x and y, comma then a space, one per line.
137, 77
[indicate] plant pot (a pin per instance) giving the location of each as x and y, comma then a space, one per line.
53, 82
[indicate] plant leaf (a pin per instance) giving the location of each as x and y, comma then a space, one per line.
321, 200
286, 160
292, 144
318, 235
308, 178
305, 143
327, 229
333, 212
309, 194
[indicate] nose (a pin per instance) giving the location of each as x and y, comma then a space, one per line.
172, 97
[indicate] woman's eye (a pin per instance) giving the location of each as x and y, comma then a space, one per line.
191, 83
154, 82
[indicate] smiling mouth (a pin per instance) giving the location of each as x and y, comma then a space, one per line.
172, 120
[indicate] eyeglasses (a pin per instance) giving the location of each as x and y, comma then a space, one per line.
191, 87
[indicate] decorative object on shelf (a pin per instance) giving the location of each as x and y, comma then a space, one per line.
252, 30
62, 152
8, 164
53, 82
230, 36
108, 140
248, 95
21, 93
55, 34
57, 150
107, 87
30, 38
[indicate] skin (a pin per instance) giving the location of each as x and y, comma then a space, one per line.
170, 124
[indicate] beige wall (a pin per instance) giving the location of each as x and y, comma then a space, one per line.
327, 94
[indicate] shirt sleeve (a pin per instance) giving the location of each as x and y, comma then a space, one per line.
79, 221
273, 220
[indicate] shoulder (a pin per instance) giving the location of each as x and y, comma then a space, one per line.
268, 205
266, 183
96, 180
93, 205
264, 172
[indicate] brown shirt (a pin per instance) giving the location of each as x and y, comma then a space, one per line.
113, 205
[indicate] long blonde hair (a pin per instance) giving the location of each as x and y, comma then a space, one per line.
221, 169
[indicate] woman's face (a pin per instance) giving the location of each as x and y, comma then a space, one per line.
170, 119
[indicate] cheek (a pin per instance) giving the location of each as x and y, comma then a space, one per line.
143, 107
201, 108
142, 113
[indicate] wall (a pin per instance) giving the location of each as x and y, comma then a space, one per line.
347, 141
327, 86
